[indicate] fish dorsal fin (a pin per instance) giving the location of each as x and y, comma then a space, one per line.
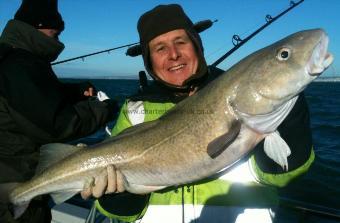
218, 145
277, 149
54, 152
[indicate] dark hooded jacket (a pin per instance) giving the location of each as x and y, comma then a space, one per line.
153, 23
35, 108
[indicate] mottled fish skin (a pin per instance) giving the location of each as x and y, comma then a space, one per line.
204, 133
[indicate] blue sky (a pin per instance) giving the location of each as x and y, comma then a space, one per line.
98, 25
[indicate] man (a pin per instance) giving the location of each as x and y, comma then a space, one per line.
173, 56
35, 108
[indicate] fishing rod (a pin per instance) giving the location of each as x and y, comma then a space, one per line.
135, 48
91, 54
238, 42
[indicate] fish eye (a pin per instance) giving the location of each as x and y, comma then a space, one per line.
283, 54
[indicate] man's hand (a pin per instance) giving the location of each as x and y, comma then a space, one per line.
89, 92
109, 181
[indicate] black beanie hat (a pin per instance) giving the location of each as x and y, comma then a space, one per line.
42, 14
163, 19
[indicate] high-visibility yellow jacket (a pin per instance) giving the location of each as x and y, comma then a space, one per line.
243, 194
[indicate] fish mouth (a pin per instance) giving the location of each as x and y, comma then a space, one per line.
320, 59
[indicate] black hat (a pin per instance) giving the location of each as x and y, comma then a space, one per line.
42, 14
163, 19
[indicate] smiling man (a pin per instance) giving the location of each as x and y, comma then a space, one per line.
173, 56
172, 51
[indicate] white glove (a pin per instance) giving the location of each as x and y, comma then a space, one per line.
101, 95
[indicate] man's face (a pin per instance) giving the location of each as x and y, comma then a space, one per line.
173, 57
54, 33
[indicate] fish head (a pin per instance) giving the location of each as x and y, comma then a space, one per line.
273, 76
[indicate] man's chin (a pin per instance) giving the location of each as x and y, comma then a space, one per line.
176, 82
176, 78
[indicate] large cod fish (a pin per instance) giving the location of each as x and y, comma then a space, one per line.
203, 134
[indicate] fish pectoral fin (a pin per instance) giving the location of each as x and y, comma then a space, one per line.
60, 197
277, 149
218, 145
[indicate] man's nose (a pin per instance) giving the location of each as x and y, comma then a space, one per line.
174, 52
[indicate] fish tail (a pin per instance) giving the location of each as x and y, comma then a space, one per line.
6, 196
18, 210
